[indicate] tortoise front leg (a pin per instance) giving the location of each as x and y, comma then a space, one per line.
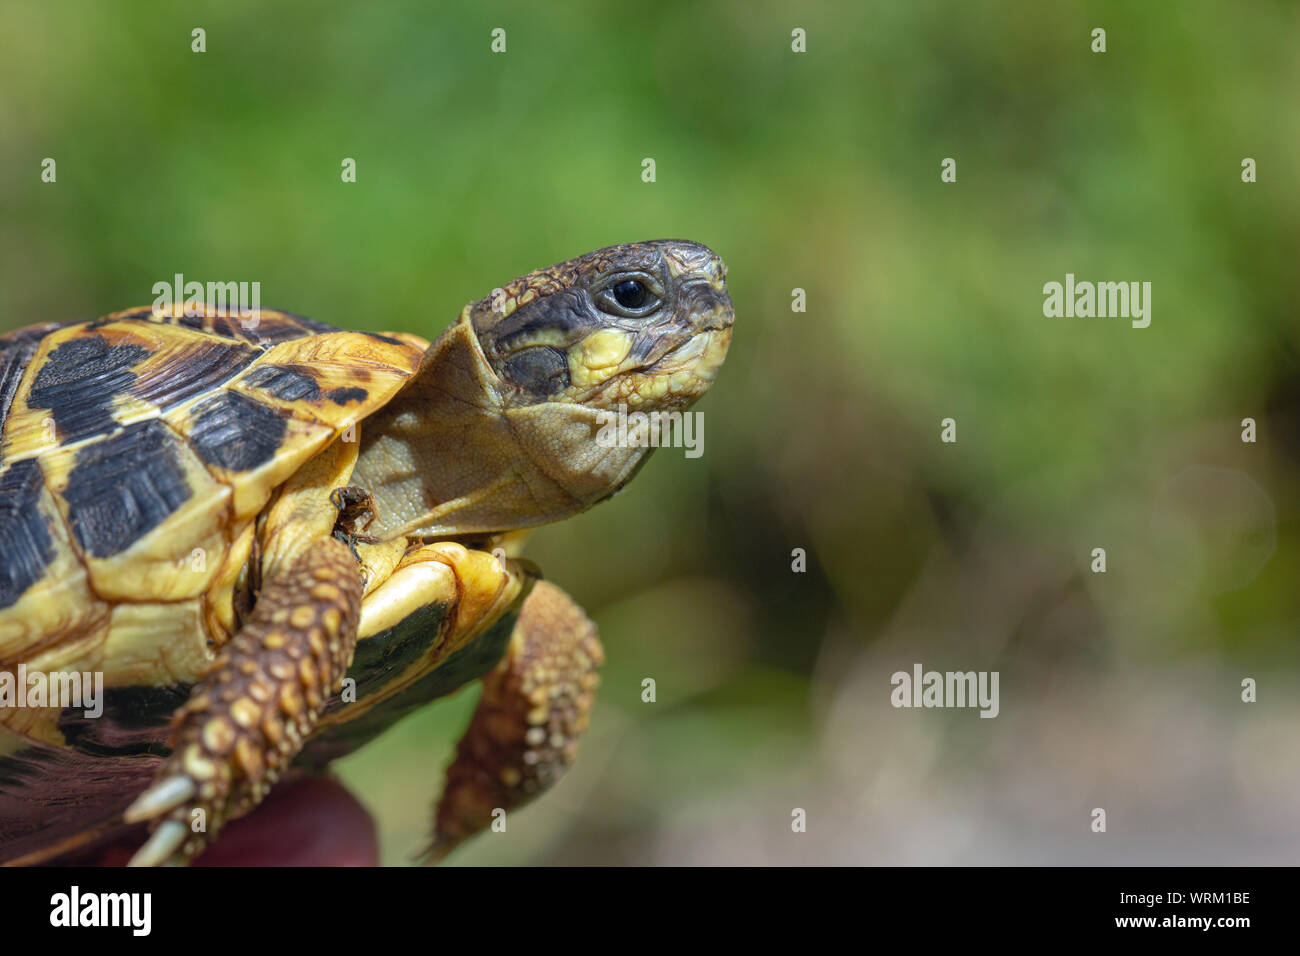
257, 702
524, 733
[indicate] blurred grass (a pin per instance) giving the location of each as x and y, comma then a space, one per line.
818, 171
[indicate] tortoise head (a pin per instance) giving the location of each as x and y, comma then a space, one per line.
645, 325
503, 426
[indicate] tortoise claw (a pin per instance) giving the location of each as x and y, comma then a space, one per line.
162, 796
161, 845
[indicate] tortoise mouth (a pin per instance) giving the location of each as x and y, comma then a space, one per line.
702, 351
672, 382
712, 318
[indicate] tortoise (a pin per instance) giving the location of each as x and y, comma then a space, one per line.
272, 538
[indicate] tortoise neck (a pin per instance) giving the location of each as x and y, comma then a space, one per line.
453, 454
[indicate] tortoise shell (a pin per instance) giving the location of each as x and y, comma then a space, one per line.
136, 453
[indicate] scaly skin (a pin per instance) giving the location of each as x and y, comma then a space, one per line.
525, 731
249, 715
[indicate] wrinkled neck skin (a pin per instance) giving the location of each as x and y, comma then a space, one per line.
455, 454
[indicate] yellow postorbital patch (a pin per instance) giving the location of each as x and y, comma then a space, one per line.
599, 356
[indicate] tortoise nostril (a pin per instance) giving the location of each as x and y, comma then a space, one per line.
704, 302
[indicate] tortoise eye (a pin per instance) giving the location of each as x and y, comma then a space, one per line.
628, 297
630, 294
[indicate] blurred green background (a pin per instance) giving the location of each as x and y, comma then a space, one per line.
818, 171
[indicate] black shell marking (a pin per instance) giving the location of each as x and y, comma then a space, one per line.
285, 382
79, 381
135, 721
271, 327
125, 486
341, 396
16, 351
28, 547
234, 432
372, 668
190, 370
284, 328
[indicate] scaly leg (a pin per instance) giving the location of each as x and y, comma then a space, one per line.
524, 733
248, 717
